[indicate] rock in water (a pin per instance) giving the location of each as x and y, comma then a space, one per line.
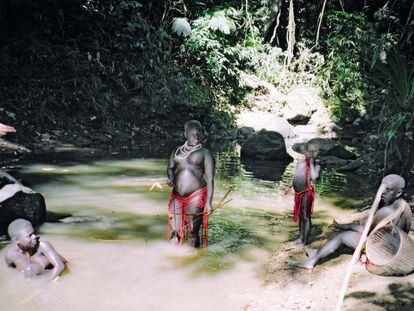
265, 145
30, 206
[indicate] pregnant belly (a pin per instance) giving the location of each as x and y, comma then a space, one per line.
186, 182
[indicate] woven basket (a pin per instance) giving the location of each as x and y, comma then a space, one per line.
390, 252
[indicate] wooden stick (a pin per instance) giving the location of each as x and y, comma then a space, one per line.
358, 249
223, 198
320, 22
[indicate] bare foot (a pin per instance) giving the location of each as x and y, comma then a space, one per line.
174, 241
300, 245
310, 251
292, 244
306, 264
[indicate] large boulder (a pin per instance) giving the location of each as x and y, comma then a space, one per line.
351, 166
332, 162
265, 145
267, 121
18, 201
300, 106
328, 147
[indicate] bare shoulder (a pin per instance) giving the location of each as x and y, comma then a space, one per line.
207, 154
14, 256
407, 208
11, 254
46, 247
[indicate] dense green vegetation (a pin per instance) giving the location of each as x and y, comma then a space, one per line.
142, 68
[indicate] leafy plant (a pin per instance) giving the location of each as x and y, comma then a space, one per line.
350, 40
397, 82
181, 27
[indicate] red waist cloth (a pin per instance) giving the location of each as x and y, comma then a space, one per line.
182, 205
310, 194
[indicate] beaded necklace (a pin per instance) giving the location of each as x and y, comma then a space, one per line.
186, 150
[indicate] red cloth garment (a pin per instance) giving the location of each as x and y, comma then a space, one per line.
309, 192
201, 197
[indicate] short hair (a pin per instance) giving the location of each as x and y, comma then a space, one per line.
309, 143
395, 179
193, 124
16, 226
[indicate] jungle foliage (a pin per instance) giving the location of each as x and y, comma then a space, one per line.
144, 67
94, 63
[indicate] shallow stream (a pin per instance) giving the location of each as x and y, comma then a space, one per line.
104, 219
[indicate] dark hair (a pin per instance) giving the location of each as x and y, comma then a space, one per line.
193, 124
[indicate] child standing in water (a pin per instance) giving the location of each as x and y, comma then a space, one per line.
307, 170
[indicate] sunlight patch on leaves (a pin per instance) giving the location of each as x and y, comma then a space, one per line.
181, 27
220, 22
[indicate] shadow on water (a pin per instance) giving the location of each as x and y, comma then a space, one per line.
119, 226
232, 234
265, 170
399, 297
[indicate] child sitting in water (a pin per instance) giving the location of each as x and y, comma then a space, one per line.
307, 170
30, 255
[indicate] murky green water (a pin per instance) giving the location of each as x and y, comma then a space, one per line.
111, 200
93, 202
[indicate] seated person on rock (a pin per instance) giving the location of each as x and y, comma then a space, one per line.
390, 201
28, 254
